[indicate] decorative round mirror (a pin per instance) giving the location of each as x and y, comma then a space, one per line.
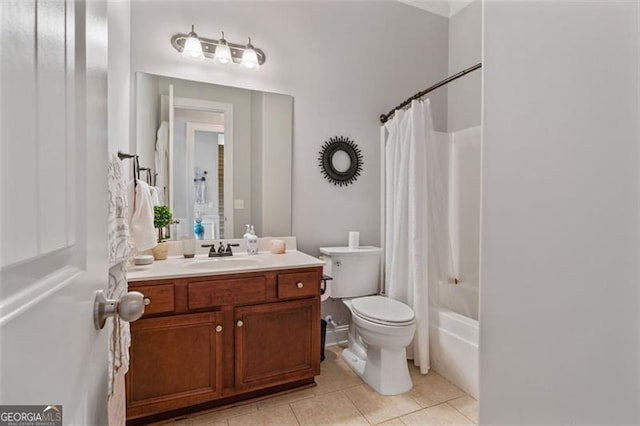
340, 161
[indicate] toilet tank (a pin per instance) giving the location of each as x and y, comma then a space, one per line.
355, 271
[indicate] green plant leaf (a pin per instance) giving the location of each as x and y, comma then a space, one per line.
161, 216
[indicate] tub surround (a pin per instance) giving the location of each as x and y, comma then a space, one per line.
453, 340
212, 337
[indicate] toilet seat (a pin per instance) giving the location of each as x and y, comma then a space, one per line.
383, 310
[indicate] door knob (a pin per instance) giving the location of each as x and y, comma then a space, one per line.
218, 328
129, 308
239, 323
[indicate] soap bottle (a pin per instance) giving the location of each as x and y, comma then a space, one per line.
252, 242
247, 233
246, 237
198, 228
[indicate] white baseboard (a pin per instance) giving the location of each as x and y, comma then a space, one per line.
336, 335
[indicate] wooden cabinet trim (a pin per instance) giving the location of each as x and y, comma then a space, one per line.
296, 285
217, 293
161, 298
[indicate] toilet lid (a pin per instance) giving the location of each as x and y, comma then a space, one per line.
382, 309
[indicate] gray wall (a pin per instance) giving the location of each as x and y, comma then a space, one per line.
256, 161
119, 81
344, 63
147, 119
465, 50
559, 303
271, 170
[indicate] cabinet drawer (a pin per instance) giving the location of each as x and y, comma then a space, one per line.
299, 284
161, 298
237, 291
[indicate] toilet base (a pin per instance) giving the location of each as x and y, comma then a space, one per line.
385, 370
355, 362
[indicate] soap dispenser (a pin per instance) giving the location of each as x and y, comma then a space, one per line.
247, 233
252, 242
246, 237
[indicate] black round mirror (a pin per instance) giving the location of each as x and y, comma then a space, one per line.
340, 161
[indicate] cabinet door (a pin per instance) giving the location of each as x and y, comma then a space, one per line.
277, 343
175, 363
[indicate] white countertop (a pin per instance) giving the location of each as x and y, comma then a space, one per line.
202, 265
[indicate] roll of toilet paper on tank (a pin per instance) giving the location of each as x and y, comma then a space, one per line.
354, 240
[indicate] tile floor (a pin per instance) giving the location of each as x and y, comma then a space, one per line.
341, 398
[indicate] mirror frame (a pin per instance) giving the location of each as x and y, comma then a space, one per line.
329, 149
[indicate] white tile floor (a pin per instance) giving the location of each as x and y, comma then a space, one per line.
341, 398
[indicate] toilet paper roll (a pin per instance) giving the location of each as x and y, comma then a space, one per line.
354, 240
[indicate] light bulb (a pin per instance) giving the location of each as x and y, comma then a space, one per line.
223, 52
250, 57
192, 47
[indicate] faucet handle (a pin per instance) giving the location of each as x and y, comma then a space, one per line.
231, 245
212, 248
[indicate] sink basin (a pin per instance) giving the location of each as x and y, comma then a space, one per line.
223, 263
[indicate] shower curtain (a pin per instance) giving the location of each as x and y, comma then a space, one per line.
417, 243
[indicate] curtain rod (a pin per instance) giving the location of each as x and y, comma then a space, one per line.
385, 117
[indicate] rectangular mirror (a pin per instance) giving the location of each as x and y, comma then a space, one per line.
216, 152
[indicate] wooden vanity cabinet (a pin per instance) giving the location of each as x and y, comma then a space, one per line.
174, 361
276, 343
214, 339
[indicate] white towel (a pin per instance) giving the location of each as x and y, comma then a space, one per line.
118, 213
155, 200
160, 194
118, 229
143, 234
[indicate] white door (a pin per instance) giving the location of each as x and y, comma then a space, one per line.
202, 141
53, 235
226, 109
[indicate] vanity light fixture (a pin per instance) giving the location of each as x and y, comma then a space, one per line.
250, 57
194, 47
222, 54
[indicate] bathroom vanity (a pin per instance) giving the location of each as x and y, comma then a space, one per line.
217, 331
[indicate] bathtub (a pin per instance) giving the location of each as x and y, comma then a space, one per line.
453, 343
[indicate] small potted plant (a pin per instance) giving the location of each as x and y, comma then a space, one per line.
161, 219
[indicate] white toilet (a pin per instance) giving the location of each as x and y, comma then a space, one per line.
381, 328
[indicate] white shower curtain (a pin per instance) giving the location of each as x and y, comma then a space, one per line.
417, 243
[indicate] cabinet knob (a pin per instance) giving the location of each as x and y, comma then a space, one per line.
239, 323
218, 328
299, 285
